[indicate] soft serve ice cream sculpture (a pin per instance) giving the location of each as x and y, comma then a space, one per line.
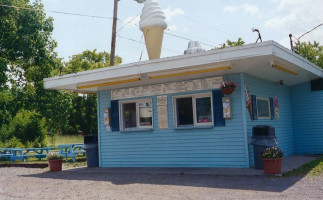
152, 24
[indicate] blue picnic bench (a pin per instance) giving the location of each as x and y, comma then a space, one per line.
71, 150
12, 154
37, 152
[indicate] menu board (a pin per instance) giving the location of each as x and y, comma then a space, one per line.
162, 112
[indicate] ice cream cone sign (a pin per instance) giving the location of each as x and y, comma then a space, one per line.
152, 24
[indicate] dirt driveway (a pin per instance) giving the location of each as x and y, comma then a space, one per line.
34, 184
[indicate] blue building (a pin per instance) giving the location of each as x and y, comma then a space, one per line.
170, 112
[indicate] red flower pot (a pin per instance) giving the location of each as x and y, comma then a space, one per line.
227, 90
55, 165
272, 166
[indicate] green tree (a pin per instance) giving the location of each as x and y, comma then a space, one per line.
87, 60
230, 43
26, 57
26, 46
311, 51
82, 114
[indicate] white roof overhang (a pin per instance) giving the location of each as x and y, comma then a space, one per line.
254, 59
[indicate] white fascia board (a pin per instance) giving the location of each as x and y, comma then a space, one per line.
296, 59
133, 70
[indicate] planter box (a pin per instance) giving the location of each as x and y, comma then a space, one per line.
227, 90
272, 166
55, 165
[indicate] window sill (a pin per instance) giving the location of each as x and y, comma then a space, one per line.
193, 127
137, 130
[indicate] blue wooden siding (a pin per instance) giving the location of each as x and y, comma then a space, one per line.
212, 147
283, 125
307, 119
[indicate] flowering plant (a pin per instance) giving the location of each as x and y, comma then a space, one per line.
228, 85
272, 152
54, 156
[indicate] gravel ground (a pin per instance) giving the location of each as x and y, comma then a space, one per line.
34, 184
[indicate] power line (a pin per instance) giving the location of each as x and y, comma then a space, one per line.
181, 37
128, 22
192, 36
145, 43
93, 16
309, 32
210, 27
138, 46
53, 11
187, 39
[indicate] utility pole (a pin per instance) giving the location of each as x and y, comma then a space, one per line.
114, 33
114, 30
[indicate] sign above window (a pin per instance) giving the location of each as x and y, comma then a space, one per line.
167, 88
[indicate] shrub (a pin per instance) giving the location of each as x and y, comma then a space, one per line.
29, 128
13, 143
4, 133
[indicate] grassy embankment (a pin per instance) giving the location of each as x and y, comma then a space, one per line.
314, 168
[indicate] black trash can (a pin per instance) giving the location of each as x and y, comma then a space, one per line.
92, 153
262, 138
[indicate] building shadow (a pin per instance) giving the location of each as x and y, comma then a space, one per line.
256, 183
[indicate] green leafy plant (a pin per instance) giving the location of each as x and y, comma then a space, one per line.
272, 152
54, 156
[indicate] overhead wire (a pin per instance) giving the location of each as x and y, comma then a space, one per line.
145, 43
138, 47
187, 39
210, 27
309, 31
53, 11
181, 37
100, 17
128, 22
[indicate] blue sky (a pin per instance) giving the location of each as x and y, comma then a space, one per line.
211, 22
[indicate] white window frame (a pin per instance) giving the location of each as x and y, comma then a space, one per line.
269, 110
138, 127
194, 97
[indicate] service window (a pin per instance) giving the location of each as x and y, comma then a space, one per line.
263, 108
136, 114
193, 110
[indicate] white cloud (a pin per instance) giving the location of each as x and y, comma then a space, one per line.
247, 8
170, 13
297, 17
251, 9
230, 9
278, 22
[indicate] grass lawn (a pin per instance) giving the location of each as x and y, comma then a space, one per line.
67, 163
314, 168
64, 139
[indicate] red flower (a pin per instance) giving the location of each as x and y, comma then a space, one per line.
228, 84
